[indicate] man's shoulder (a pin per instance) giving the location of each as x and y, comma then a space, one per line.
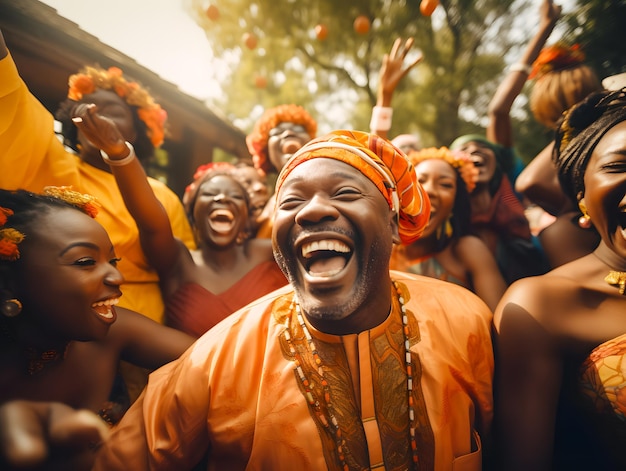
431, 297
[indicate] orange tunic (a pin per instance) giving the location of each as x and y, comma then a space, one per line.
32, 157
235, 397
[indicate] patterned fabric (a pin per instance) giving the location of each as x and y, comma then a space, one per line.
234, 397
386, 166
603, 377
428, 266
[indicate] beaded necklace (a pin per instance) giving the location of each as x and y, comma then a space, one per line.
331, 423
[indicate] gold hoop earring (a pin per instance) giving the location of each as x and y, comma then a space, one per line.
11, 307
584, 221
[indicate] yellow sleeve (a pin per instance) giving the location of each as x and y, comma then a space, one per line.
30, 149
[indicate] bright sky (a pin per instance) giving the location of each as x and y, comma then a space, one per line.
158, 34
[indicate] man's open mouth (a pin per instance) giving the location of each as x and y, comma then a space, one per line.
326, 257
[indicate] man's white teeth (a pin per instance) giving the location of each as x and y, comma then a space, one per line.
334, 245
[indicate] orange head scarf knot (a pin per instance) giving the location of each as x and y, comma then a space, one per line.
257, 139
382, 163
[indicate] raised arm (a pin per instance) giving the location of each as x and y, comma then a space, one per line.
500, 129
157, 240
392, 71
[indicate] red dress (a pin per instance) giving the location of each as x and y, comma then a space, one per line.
194, 310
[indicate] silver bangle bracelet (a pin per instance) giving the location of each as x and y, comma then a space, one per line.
118, 163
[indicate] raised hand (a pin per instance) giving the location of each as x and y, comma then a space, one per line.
101, 131
393, 69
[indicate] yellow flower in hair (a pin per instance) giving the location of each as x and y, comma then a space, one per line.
9, 238
86, 203
459, 160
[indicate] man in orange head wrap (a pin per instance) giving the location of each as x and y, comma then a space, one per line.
350, 366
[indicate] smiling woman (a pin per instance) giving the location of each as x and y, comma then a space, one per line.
228, 269
59, 319
561, 336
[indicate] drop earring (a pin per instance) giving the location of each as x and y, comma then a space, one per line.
11, 307
584, 221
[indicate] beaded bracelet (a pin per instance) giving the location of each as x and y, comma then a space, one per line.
120, 162
521, 67
381, 118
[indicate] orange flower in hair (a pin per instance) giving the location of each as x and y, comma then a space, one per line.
4, 213
92, 78
257, 140
459, 160
555, 58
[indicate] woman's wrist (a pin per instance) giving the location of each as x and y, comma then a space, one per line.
118, 162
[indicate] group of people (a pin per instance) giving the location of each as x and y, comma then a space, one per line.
385, 306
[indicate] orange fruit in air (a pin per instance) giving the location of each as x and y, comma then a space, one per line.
427, 7
212, 12
250, 40
260, 81
321, 31
361, 24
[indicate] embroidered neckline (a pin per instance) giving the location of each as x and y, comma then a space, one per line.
330, 422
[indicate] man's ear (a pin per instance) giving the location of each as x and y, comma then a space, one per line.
393, 222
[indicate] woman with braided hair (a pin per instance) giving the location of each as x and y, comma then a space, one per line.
560, 390
62, 334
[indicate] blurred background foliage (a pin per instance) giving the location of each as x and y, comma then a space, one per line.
314, 54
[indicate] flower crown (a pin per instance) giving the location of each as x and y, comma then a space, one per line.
460, 160
92, 78
10, 237
257, 140
556, 57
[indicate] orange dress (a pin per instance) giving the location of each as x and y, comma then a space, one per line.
236, 397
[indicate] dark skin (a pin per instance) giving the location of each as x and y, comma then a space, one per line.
66, 267
48, 436
467, 257
546, 322
327, 200
220, 261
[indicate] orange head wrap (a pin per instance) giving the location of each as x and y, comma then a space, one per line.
385, 165
257, 139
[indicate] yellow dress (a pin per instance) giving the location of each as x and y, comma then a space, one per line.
32, 157
236, 397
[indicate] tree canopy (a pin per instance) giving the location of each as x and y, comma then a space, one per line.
310, 53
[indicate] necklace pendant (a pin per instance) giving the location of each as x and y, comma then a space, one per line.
617, 278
